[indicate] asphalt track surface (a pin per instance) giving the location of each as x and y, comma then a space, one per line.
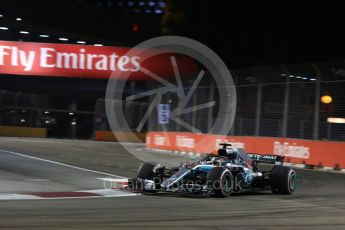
318, 203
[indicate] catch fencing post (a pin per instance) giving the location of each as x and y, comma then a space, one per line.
258, 108
317, 103
286, 104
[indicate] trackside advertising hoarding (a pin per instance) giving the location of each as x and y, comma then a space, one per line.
65, 60
310, 152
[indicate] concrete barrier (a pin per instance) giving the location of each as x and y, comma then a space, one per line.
101, 135
15, 131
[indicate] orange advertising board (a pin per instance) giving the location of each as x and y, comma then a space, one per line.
310, 152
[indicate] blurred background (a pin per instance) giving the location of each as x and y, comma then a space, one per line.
287, 59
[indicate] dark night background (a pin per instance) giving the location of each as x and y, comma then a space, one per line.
243, 33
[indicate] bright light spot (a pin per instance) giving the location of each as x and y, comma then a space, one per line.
298, 77
23, 32
1, 15
135, 28
22, 120
47, 121
3, 28
18, 19
326, 99
291, 76
98, 45
71, 114
312, 79
305, 78
73, 123
44, 36
336, 120
81, 42
63, 39
46, 112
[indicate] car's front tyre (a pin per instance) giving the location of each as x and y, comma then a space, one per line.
221, 181
145, 172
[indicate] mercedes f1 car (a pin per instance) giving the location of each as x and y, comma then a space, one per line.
232, 170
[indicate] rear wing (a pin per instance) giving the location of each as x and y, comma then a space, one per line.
266, 158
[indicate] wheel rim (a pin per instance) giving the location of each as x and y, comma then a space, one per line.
227, 183
292, 184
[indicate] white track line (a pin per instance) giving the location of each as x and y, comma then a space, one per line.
102, 193
62, 164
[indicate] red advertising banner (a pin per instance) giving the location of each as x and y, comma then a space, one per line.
65, 60
310, 152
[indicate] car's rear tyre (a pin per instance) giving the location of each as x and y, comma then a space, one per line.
283, 180
221, 181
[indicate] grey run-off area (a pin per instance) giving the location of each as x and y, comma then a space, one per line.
318, 203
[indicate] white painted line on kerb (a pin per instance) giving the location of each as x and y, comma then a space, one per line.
15, 196
84, 197
98, 194
62, 164
114, 183
117, 180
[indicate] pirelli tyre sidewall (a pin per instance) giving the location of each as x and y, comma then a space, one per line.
283, 180
221, 181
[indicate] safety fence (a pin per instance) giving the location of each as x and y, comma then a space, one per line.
290, 109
